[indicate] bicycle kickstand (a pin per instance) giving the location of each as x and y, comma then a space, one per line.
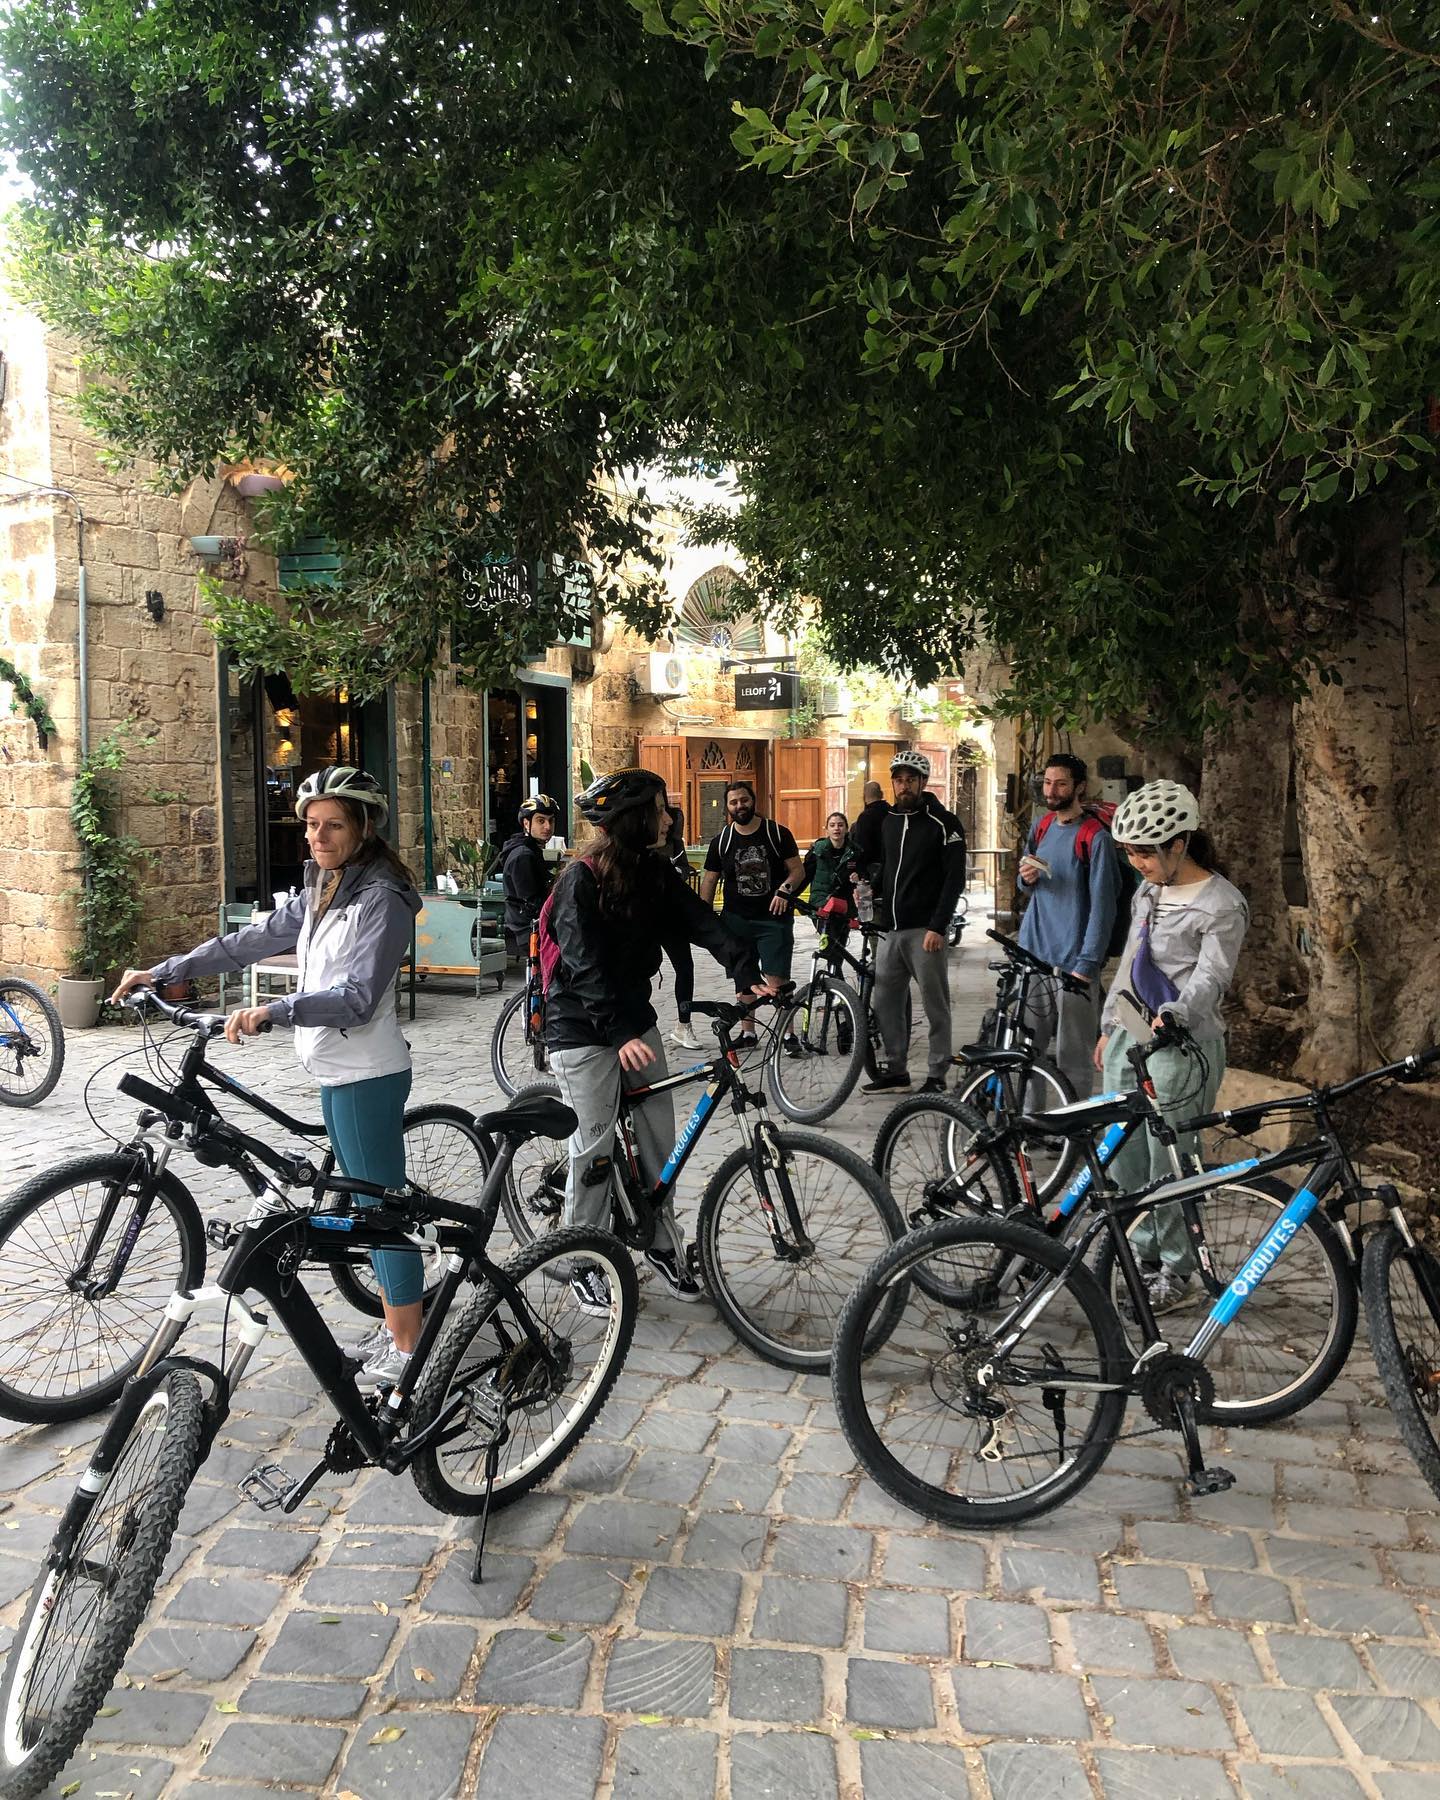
492, 1463
1199, 1479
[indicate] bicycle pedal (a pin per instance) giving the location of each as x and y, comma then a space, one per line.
1210, 1481
268, 1486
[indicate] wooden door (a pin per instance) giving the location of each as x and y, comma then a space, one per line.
666, 756
800, 787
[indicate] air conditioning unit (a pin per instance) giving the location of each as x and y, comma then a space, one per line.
834, 700
661, 675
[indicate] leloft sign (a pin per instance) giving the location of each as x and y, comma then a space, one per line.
778, 689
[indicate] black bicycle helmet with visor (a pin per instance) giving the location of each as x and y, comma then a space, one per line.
540, 806
610, 795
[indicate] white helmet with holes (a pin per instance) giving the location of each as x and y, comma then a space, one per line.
1155, 813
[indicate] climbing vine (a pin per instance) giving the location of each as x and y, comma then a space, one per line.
23, 698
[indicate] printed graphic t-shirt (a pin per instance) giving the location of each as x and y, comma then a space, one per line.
750, 868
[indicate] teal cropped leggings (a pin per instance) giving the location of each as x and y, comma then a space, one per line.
365, 1121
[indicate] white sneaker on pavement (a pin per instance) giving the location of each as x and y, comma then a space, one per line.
684, 1038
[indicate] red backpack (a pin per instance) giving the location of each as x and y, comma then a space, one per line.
1097, 817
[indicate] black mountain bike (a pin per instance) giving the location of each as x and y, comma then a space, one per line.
91, 1250
32, 1043
517, 1043
786, 1224
499, 1390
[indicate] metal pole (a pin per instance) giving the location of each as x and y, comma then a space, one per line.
426, 800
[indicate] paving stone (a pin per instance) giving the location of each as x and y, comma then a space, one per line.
824, 1453
226, 1600
1346, 1524
936, 1563
800, 1612
306, 1645
1020, 1703
1016, 1772
531, 1523
597, 1468
157, 1716
1172, 1715
581, 1592
1416, 1569
384, 1500
389, 1549
1305, 1781
1212, 1653
697, 1396
569, 1751
664, 1430
201, 1655
738, 1485
815, 1496
136, 1777
1132, 1775
428, 1763
664, 1763
889, 1694
617, 1423
672, 1676
1237, 1595
835, 1550
1107, 1641
749, 1377
1054, 1573
702, 1601
624, 1528
1141, 1588
443, 1652
667, 1475
1400, 1785
775, 1409
872, 1506
775, 1685
1194, 1544
1283, 1723
1331, 1487
1392, 1730
1405, 1669
1006, 1631
535, 1668
1316, 1662
305, 1699
355, 1588
1304, 1558
274, 1552
912, 1624
305, 1752
204, 1507
1360, 1609
452, 1591
779, 1765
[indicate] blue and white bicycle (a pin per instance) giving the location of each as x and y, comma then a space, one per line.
32, 1043
1003, 1387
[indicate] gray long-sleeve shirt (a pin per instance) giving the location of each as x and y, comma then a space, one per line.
1196, 944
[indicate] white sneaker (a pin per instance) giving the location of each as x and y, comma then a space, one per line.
684, 1038
384, 1369
370, 1347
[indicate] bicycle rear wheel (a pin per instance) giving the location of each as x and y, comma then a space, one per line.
941, 1420
66, 1347
533, 1197
816, 1051
97, 1581
544, 1401
514, 1059
1402, 1310
445, 1155
784, 1303
922, 1154
32, 1043
1044, 1089
1291, 1338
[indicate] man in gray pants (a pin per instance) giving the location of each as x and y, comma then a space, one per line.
918, 881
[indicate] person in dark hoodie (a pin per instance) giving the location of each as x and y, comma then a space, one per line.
350, 932
524, 871
865, 832
919, 877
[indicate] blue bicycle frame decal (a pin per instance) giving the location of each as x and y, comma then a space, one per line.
1080, 1186
1264, 1258
703, 1108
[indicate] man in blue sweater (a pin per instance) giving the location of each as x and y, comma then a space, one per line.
1067, 871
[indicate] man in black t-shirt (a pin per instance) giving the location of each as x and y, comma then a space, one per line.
760, 865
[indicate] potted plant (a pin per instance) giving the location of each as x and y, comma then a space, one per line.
108, 899
470, 857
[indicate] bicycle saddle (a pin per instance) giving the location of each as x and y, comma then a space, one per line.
1082, 1116
538, 1115
986, 1056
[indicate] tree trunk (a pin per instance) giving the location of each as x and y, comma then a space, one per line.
1367, 773
1242, 802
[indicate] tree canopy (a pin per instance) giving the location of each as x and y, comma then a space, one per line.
1078, 328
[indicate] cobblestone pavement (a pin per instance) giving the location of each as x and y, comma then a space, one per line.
710, 1599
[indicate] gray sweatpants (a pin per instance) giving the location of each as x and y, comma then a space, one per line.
590, 1081
898, 961
1072, 1023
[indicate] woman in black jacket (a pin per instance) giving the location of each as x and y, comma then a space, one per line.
608, 914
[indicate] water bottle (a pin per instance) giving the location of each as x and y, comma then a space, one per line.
865, 902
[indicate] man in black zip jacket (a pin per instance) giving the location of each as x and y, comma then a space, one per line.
918, 880
524, 872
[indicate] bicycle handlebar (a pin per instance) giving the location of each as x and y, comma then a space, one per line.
1018, 953
728, 1012
1244, 1119
207, 1023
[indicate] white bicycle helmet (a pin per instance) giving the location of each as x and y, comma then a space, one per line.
340, 782
911, 759
1155, 813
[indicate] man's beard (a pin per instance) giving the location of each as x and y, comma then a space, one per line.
1059, 805
744, 814
909, 802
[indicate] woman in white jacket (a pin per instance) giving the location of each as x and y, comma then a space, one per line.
350, 931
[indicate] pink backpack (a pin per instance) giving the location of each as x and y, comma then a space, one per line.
549, 949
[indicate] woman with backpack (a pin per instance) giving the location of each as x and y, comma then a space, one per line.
601, 934
350, 931
1186, 928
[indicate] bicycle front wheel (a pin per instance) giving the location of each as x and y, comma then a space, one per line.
1291, 1338
526, 1397
32, 1043
514, 1058
816, 1051
445, 1155
922, 1153
97, 1582
89, 1255
1402, 1310
1039, 1089
779, 1297
944, 1421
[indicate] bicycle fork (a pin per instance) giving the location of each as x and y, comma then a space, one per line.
768, 1154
